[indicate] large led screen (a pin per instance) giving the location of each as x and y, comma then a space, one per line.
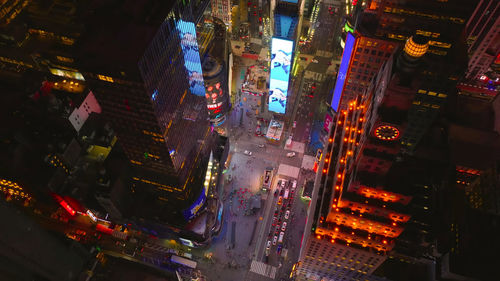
216, 101
281, 58
344, 66
189, 45
190, 212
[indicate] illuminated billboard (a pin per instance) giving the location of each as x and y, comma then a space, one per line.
190, 212
217, 102
192, 63
344, 66
67, 73
281, 58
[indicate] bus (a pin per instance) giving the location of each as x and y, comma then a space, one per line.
183, 261
267, 180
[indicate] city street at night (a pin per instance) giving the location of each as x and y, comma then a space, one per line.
250, 140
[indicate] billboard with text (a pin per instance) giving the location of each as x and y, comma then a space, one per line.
344, 67
281, 58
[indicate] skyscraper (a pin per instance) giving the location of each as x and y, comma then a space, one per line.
147, 76
483, 37
374, 199
222, 9
383, 25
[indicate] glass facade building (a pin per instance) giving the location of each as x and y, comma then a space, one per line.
151, 89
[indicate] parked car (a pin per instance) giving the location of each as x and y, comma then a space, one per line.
280, 200
283, 228
282, 235
287, 214
289, 154
275, 239
246, 152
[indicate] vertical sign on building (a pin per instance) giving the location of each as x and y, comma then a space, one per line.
344, 67
281, 57
192, 62
327, 125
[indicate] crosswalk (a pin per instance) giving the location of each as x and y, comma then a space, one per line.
263, 269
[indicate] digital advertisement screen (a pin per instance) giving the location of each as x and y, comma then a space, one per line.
281, 58
344, 66
215, 99
190, 212
192, 62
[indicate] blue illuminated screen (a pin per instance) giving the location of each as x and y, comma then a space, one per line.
291, 1
190, 212
281, 58
344, 66
192, 63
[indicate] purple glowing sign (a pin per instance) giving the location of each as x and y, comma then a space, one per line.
344, 66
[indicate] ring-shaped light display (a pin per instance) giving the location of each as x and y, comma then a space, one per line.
386, 132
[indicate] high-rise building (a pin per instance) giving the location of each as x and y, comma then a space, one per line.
382, 26
147, 76
216, 75
374, 202
483, 36
222, 9
143, 63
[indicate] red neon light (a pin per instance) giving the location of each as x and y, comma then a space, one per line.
103, 229
67, 207
64, 204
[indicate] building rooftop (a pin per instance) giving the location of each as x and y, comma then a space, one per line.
118, 32
473, 147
